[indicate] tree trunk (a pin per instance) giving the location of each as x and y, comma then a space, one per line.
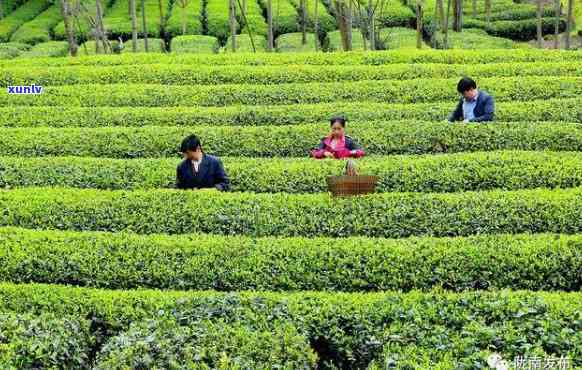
303, 22
183, 4
372, 28
1, 9
270, 31
144, 26
133, 25
66, 14
440, 10
316, 25
162, 22
474, 8
99, 27
446, 30
488, 7
232, 22
558, 11
540, 6
418, 26
458, 16
569, 23
350, 25
340, 7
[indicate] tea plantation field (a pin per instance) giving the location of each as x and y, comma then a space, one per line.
472, 244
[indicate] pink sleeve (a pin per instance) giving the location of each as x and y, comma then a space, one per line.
317, 153
359, 153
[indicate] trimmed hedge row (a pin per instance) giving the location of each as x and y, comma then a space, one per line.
451, 173
207, 75
474, 38
334, 41
523, 30
352, 58
48, 341
293, 43
23, 14
208, 211
38, 30
118, 21
551, 110
244, 45
11, 50
392, 13
47, 49
253, 19
384, 91
127, 261
296, 141
344, 330
194, 44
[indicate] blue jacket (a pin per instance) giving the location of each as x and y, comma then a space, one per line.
210, 174
484, 109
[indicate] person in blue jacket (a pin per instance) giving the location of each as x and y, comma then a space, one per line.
475, 105
199, 170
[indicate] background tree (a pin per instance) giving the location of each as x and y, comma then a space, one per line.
457, 15
569, 23
133, 15
144, 26
540, 6
71, 40
419, 24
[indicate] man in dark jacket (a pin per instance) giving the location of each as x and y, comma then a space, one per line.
199, 170
474, 105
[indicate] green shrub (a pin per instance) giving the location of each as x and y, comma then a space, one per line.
349, 330
322, 59
380, 215
550, 110
89, 47
47, 49
164, 344
293, 43
454, 172
285, 19
217, 19
398, 38
244, 44
185, 20
203, 262
383, 91
44, 341
194, 44
23, 14
38, 30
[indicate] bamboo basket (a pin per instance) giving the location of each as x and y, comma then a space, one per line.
345, 186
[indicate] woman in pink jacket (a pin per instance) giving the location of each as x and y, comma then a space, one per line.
337, 145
